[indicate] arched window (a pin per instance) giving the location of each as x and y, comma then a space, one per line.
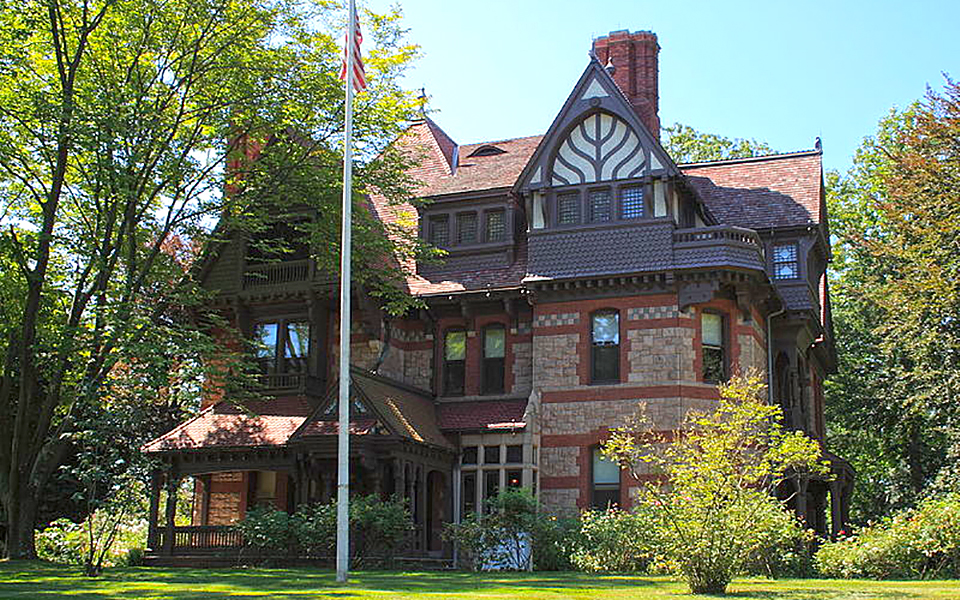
605, 346
494, 351
454, 359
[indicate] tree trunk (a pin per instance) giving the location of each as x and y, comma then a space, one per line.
915, 457
21, 521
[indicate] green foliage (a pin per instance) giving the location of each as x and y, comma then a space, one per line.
717, 474
896, 308
617, 541
919, 543
63, 541
685, 144
511, 533
378, 529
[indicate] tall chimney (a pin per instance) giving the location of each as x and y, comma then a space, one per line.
634, 60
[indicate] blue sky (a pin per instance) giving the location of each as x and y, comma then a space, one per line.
780, 72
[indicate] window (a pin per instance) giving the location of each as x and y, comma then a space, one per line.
467, 228
491, 485
454, 355
282, 346
439, 231
468, 493
599, 205
494, 346
785, 263
711, 342
491, 455
606, 481
514, 478
605, 346
568, 209
514, 454
469, 456
631, 202
495, 227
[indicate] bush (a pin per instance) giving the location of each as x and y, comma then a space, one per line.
616, 541
63, 541
916, 544
377, 529
135, 557
514, 534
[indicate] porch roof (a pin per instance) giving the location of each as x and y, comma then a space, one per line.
227, 425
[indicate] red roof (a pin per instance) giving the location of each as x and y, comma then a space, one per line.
485, 172
782, 190
224, 425
484, 414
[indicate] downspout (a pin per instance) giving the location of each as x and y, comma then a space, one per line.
770, 352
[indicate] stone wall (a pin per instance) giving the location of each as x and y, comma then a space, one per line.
555, 361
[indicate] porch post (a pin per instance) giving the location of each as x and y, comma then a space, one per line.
422, 505
847, 491
154, 510
801, 503
173, 482
835, 513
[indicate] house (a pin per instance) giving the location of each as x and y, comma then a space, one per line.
586, 271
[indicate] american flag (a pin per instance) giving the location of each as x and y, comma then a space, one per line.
359, 78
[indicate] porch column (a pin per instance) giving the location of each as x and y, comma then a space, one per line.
846, 493
422, 505
205, 482
801, 504
154, 510
836, 517
173, 483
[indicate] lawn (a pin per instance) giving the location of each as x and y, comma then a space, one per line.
42, 580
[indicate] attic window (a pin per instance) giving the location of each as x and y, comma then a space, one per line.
487, 150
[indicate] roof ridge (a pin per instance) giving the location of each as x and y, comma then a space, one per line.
747, 159
503, 141
181, 426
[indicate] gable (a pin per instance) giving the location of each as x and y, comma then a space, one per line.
597, 136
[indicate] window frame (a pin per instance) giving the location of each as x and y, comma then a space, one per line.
486, 225
596, 349
578, 202
795, 261
596, 489
436, 219
280, 360
489, 365
458, 219
591, 217
723, 348
446, 371
621, 190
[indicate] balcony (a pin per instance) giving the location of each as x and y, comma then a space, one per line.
277, 274
718, 246
290, 383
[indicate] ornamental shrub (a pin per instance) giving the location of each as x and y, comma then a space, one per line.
268, 531
616, 541
922, 543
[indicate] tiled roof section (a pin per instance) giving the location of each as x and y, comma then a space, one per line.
402, 410
473, 278
759, 193
224, 425
444, 142
481, 415
483, 172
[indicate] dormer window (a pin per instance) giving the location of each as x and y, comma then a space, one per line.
467, 228
439, 231
487, 150
568, 209
495, 227
785, 263
599, 205
631, 202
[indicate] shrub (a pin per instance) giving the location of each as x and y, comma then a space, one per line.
378, 528
511, 533
268, 531
63, 541
616, 541
922, 543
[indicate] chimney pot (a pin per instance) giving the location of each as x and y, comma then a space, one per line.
631, 59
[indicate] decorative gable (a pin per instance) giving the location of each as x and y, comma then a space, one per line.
597, 136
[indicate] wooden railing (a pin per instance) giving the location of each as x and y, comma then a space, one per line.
277, 274
299, 382
201, 537
718, 233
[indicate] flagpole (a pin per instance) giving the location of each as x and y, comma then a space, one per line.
343, 434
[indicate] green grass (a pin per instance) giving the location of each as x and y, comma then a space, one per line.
32, 579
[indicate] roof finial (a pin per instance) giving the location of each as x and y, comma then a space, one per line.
422, 98
610, 68
818, 144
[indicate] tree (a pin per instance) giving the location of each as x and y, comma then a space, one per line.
685, 144
897, 304
122, 124
715, 479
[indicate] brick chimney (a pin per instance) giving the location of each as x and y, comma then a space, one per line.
634, 58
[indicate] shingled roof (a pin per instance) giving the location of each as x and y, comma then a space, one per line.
482, 415
225, 425
782, 190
